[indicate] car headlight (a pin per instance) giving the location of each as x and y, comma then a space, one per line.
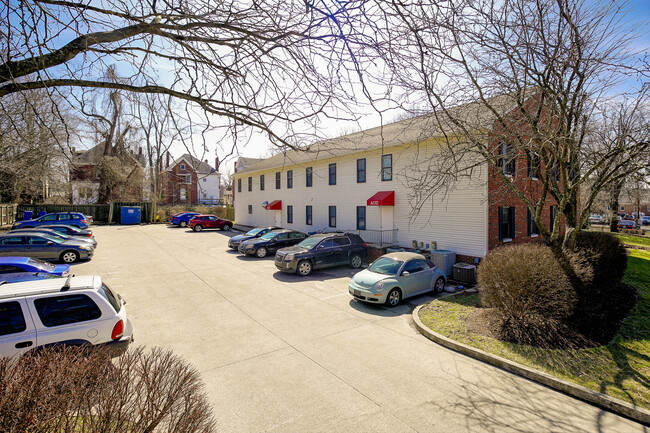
379, 285
289, 257
86, 247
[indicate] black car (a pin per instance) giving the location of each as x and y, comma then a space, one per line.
251, 234
271, 241
322, 251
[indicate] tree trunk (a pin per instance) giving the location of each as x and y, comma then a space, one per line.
615, 192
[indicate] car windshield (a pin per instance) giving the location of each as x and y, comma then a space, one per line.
269, 236
254, 232
40, 264
384, 265
309, 243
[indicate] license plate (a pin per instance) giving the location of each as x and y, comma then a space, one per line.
357, 293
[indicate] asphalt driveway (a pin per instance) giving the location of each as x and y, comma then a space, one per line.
282, 353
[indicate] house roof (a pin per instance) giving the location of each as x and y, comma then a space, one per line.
474, 116
247, 162
198, 165
94, 155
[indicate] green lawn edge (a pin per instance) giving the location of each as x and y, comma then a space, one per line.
620, 369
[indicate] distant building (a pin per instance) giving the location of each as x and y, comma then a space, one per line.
85, 171
188, 180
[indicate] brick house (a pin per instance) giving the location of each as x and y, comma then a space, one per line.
360, 182
188, 180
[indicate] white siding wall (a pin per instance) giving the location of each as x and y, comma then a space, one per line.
458, 222
208, 186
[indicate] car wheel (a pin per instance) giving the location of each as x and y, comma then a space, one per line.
355, 261
440, 285
394, 297
198, 228
304, 268
69, 256
261, 252
183, 223
225, 227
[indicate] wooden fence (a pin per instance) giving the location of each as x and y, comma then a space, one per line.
105, 213
7, 214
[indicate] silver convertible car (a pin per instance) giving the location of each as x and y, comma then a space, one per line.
396, 276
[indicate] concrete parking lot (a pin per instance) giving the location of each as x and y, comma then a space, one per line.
282, 353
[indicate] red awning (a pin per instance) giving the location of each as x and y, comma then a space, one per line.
382, 198
274, 205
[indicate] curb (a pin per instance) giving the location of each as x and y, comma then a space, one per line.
603, 401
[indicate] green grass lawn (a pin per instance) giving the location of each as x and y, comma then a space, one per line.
641, 241
621, 369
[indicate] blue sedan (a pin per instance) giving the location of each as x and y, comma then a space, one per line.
75, 219
11, 264
182, 219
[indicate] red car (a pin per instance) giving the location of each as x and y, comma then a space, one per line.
201, 222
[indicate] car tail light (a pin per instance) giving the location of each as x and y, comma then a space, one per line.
65, 273
90, 235
364, 245
118, 330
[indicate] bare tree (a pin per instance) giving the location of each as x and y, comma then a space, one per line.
514, 80
273, 66
31, 128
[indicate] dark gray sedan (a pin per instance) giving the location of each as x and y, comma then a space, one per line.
44, 246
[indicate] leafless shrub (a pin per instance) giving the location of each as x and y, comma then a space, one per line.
528, 292
72, 390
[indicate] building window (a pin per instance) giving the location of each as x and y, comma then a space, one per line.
332, 216
183, 194
205, 180
552, 212
361, 170
250, 209
534, 166
239, 185
332, 172
308, 215
506, 159
308, 176
277, 180
289, 178
387, 167
533, 230
182, 166
261, 182
290, 214
250, 183
361, 217
506, 223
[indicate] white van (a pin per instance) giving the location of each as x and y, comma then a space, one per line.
72, 311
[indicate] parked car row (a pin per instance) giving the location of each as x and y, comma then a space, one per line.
75, 219
198, 222
387, 280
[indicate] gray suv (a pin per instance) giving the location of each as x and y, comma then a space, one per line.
322, 251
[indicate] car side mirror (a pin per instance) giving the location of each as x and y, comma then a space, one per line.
321, 247
406, 273
50, 243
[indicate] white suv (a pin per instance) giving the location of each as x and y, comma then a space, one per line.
72, 311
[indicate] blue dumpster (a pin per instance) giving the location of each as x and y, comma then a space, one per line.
130, 215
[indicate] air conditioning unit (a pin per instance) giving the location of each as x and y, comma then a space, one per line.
444, 259
465, 272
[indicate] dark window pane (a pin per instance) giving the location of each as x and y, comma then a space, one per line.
239, 185
361, 170
12, 320
387, 167
250, 183
62, 310
290, 214
277, 180
361, 217
332, 216
261, 182
308, 176
308, 215
332, 174
289, 178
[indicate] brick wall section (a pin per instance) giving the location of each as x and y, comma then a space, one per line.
500, 194
171, 185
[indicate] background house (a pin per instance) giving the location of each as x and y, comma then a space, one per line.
188, 180
124, 168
